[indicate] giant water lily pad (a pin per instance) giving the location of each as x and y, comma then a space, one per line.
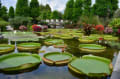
88, 39
92, 48
56, 58
18, 61
60, 46
20, 36
110, 38
65, 36
91, 66
28, 46
4, 48
53, 41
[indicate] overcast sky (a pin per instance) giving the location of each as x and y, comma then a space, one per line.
55, 4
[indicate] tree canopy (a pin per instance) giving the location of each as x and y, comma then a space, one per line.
11, 12
34, 8
22, 8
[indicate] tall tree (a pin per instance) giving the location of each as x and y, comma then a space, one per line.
87, 7
114, 4
56, 15
48, 8
11, 12
45, 11
68, 13
0, 8
22, 8
4, 13
104, 8
77, 12
34, 8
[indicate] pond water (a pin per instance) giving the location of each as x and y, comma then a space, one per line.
44, 71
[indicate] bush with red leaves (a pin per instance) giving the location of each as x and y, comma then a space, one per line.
36, 28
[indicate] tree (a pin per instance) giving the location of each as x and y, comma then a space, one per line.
87, 7
77, 12
45, 11
56, 15
34, 8
48, 8
105, 8
68, 13
117, 14
22, 8
4, 13
0, 8
11, 12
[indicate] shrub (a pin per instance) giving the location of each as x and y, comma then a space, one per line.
36, 28
115, 22
17, 21
3, 24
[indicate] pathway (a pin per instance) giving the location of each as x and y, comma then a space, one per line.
116, 70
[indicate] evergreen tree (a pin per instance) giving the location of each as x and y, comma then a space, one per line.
34, 8
11, 12
4, 13
0, 8
114, 4
56, 15
77, 12
45, 11
48, 8
22, 8
68, 13
104, 8
87, 7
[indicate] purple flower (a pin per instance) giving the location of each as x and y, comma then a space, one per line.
108, 30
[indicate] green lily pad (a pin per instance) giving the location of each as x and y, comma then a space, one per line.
28, 46
110, 38
18, 61
91, 66
57, 58
53, 41
4, 48
92, 48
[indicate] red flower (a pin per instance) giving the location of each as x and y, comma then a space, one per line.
101, 38
99, 27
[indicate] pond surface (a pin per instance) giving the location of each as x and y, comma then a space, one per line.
44, 71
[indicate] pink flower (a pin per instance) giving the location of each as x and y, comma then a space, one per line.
23, 28
108, 30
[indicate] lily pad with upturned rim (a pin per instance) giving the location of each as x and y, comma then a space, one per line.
92, 48
28, 46
18, 61
91, 66
56, 58
4, 48
53, 41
